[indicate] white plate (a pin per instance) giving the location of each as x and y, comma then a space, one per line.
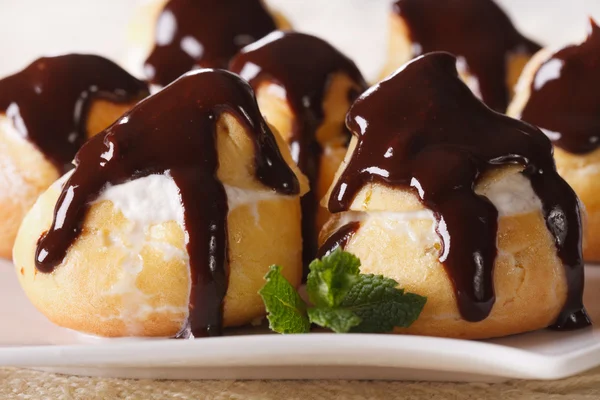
27, 339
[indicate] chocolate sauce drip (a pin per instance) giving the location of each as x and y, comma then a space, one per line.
203, 33
303, 66
174, 132
339, 238
49, 100
564, 96
424, 130
477, 31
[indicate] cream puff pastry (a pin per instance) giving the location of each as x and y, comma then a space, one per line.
200, 34
169, 220
490, 52
460, 204
304, 87
558, 92
47, 111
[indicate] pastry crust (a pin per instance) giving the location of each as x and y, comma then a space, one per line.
400, 51
330, 134
123, 279
529, 279
25, 172
581, 171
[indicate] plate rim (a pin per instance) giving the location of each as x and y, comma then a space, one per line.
315, 349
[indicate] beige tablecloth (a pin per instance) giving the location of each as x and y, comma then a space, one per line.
24, 384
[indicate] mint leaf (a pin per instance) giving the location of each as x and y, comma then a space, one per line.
286, 309
331, 278
380, 305
344, 299
339, 320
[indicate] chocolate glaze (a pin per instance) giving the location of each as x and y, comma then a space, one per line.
423, 129
203, 33
49, 100
339, 238
564, 96
174, 132
303, 66
476, 30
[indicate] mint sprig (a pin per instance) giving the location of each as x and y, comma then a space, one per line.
381, 305
340, 320
344, 299
331, 278
287, 310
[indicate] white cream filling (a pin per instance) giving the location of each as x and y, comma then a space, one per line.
13, 185
155, 199
237, 197
149, 201
511, 195
397, 222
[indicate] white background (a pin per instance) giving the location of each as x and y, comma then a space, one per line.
30, 28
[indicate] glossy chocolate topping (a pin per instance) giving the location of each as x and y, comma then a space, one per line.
476, 31
303, 66
423, 129
565, 96
49, 100
203, 33
174, 132
339, 238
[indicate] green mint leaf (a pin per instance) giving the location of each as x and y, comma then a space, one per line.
339, 320
286, 309
331, 278
380, 305
345, 300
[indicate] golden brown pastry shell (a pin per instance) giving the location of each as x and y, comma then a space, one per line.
581, 171
108, 285
529, 278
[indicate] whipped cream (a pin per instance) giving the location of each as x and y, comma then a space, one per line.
12, 182
150, 200
237, 197
511, 195
397, 222
155, 199
145, 202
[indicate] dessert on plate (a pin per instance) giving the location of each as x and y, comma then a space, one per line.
304, 87
47, 111
198, 34
460, 204
558, 93
490, 51
170, 219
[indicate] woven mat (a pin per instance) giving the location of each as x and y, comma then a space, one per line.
24, 384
